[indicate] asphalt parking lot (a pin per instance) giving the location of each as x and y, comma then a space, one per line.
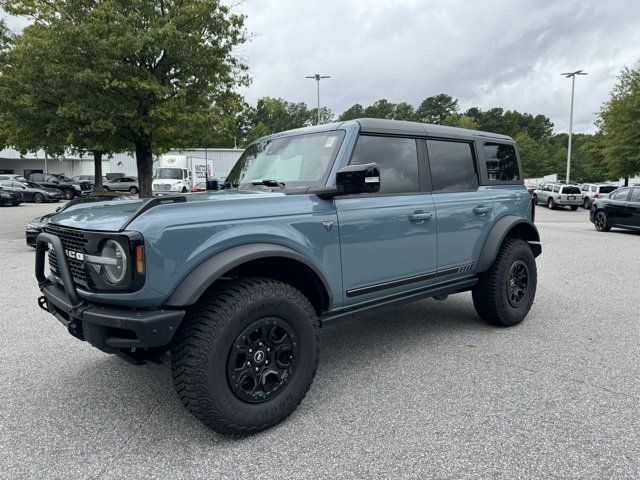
425, 390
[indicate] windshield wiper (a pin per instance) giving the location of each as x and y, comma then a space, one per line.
269, 183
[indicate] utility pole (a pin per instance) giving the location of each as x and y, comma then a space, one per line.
571, 75
317, 77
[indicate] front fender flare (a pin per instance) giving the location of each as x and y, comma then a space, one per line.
526, 230
202, 277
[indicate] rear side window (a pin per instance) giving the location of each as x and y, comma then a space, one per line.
556, 189
453, 167
397, 159
607, 189
501, 161
570, 190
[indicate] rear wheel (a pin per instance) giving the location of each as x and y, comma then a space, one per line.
586, 204
601, 221
244, 357
133, 190
535, 199
504, 294
38, 197
106, 189
551, 204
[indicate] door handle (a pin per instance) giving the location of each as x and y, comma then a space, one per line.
481, 210
419, 217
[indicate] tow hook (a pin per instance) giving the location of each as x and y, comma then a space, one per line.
43, 303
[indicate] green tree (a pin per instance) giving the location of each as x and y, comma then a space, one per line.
351, 113
162, 65
381, 109
436, 109
619, 120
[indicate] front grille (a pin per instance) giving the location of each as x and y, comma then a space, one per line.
75, 241
162, 186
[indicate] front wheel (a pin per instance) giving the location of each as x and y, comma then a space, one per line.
504, 294
244, 357
601, 221
67, 194
551, 204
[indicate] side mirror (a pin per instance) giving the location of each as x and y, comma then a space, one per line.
359, 179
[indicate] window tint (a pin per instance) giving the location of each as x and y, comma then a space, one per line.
570, 190
635, 195
607, 189
620, 194
397, 159
502, 163
452, 166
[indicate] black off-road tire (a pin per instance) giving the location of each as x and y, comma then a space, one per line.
202, 349
490, 295
574, 207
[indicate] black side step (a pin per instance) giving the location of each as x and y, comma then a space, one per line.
437, 290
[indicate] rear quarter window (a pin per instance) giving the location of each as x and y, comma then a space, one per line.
501, 162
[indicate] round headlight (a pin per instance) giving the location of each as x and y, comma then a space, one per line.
116, 271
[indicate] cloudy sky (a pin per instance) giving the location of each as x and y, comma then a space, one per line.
507, 53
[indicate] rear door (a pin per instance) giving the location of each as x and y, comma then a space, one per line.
464, 209
388, 239
634, 206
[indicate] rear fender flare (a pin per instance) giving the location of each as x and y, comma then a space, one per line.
525, 229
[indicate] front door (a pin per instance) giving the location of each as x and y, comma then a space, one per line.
387, 240
617, 207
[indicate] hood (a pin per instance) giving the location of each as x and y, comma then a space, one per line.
111, 216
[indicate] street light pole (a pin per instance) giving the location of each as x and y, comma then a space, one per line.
573, 86
317, 77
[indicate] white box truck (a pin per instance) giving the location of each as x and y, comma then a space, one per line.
179, 173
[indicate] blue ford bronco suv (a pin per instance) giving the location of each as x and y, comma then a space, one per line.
314, 225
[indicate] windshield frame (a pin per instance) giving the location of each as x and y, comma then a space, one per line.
321, 182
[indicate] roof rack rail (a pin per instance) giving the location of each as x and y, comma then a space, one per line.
150, 203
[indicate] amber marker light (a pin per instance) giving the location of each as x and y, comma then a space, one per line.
140, 259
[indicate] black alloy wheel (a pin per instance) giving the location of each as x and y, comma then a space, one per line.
517, 283
262, 360
601, 221
68, 194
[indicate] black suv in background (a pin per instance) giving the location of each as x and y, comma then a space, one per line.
68, 187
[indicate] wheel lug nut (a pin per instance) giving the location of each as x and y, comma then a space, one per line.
260, 343
266, 362
250, 351
268, 349
257, 369
248, 364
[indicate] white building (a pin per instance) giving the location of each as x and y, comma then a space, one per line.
221, 160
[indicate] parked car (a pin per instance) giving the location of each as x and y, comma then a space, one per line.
593, 191
532, 188
237, 282
556, 195
8, 197
199, 187
620, 209
32, 192
35, 226
122, 184
68, 187
13, 177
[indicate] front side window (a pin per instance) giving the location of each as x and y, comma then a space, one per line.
501, 161
296, 161
620, 194
452, 165
397, 159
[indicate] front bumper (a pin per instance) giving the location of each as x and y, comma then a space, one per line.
108, 328
31, 235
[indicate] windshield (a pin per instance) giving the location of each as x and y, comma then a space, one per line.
169, 173
62, 178
296, 161
31, 184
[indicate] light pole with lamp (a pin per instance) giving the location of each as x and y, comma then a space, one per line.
571, 75
317, 77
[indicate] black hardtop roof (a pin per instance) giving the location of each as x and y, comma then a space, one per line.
401, 127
